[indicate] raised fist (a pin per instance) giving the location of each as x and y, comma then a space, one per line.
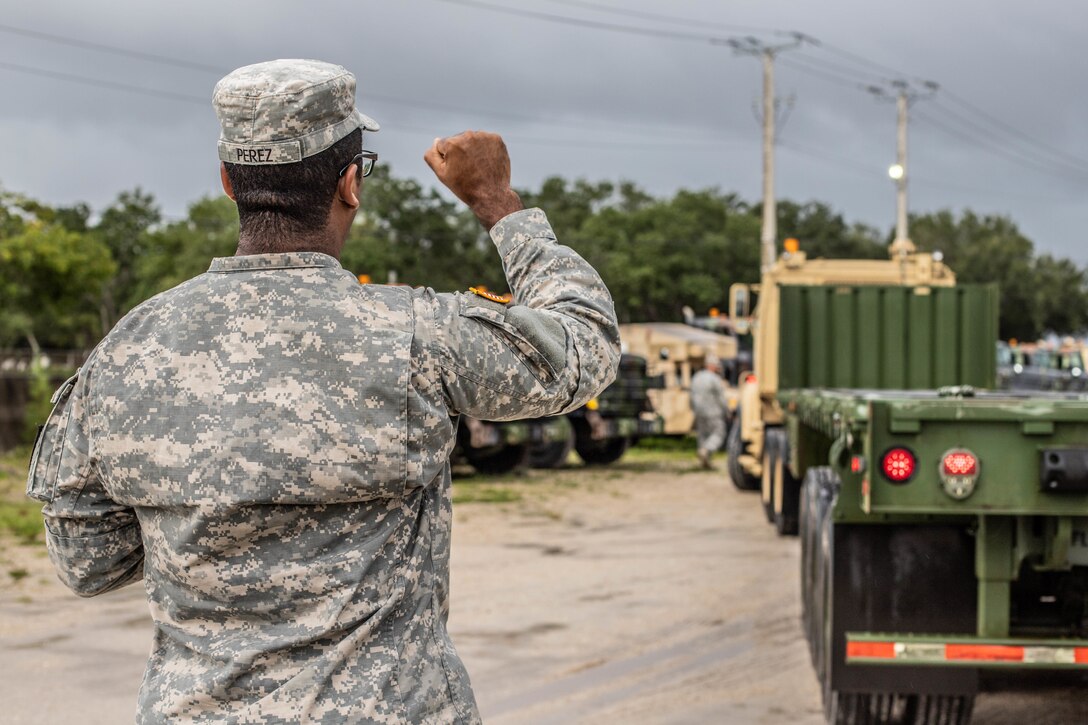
475, 166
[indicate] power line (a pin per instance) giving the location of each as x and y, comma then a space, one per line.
839, 80
1012, 130
594, 24
691, 22
1014, 146
103, 48
997, 150
833, 67
849, 55
863, 169
695, 144
181, 63
84, 80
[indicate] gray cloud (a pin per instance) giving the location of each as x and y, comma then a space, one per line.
576, 101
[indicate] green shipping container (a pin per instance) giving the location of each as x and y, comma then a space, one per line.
887, 337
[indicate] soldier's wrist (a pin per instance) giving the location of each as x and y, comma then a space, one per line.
493, 208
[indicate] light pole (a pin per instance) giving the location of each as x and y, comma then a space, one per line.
904, 95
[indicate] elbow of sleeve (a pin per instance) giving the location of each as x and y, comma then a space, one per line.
93, 565
92, 583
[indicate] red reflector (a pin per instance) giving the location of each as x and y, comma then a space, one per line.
881, 650
960, 463
750, 379
857, 464
987, 652
898, 465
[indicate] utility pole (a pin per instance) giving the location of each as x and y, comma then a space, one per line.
904, 94
753, 46
901, 105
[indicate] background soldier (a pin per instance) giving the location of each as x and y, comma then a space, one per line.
267, 445
709, 405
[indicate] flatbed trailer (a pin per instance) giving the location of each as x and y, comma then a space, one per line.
944, 536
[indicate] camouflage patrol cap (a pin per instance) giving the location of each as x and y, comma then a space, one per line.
282, 111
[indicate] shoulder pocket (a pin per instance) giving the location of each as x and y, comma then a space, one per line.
41, 482
494, 314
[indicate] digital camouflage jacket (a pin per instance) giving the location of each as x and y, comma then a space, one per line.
267, 446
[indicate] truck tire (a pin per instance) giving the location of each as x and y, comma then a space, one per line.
766, 481
854, 708
551, 455
734, 447
821, 485
600, 453
496, 461
786, 491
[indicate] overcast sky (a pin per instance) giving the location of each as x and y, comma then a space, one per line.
665, 112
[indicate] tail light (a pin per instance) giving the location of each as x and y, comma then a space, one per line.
898, 465
959, 473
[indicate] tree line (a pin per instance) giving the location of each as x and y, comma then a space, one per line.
68, 274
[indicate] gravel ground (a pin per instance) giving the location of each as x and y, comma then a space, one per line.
646, 592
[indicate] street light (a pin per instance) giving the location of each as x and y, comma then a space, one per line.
895, 171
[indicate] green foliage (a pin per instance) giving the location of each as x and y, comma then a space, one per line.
19, 516
467, 492
64, 278
51, 283
38, 404
992, 249
420, 236
182, 250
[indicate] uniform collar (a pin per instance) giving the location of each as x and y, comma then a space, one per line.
285, 260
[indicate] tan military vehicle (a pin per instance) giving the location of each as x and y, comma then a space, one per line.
675, 352
836, 338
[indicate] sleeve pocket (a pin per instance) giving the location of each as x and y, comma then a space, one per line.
494, 315
41, 482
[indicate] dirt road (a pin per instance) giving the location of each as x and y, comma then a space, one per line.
648, 592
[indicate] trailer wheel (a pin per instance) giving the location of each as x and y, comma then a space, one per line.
601, 453
787, 490
734, 447
496, 461
551, 455
854, 708
767, 482
944, 709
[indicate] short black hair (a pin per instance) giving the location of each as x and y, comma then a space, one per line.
277, 201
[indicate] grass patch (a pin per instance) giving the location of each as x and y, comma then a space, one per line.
484, 493
19, 516
18, 574
666, 443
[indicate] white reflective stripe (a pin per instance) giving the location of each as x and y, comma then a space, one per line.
925, 652
1055, 655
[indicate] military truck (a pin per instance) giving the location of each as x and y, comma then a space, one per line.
944, 528
944, 537
820, 346
674, 352
494, 448
602, 430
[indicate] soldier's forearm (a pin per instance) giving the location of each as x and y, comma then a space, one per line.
547, 276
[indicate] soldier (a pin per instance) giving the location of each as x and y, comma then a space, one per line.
709, 406
267, 444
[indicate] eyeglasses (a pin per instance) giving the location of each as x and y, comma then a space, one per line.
366, 161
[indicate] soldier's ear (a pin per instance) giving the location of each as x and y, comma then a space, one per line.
227, 188
347, 189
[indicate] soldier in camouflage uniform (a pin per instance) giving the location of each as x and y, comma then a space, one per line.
709, 405
267, 444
